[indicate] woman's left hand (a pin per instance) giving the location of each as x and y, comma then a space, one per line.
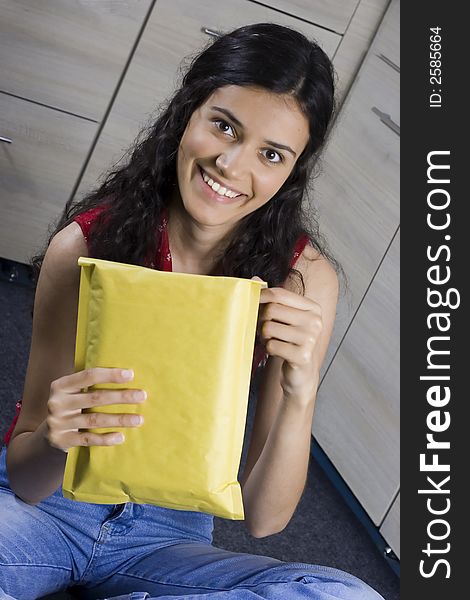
290, 327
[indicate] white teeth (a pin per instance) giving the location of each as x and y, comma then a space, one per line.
221, 190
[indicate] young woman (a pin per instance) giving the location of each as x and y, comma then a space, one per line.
216, 187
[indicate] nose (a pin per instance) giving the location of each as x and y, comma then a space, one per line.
233, 163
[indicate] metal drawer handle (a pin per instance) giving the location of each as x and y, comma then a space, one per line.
387, 120
211, 32
389, 62
390, 554
7, 140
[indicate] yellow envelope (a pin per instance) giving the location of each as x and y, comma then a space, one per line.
189, 340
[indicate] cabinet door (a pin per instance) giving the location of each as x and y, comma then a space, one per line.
357, 195
173, 32
357, 417
38, 171
356, 42
67, 54
390, 529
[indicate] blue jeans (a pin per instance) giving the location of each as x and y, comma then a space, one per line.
136, 551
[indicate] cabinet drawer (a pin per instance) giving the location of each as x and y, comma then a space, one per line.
390, 529
67, 55
333, 14
172, 33
357, 414
38, 171
357, 196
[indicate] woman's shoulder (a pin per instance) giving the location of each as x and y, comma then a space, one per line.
68, 241
62, 254
317, 271
309, 253
86, 218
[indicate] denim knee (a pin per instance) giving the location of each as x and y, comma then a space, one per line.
348, 587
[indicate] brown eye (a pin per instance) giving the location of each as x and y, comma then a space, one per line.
223, 126
272, 156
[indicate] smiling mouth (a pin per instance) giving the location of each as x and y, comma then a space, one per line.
217, 187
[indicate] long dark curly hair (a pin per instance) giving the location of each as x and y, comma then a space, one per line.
269, 56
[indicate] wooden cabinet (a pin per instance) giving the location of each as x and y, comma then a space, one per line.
357, 415
357, 195
67, 55
38, 170
60, 64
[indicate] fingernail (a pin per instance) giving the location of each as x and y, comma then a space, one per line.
119, 438
129, 374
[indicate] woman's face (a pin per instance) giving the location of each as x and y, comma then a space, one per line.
246, 140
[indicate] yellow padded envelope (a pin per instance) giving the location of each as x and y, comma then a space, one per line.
189, 340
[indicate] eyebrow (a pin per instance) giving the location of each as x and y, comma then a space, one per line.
239, 124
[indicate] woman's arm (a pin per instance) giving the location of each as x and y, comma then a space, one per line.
35, 468
52, 418
296, 331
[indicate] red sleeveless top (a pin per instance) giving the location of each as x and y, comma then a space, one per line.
162, 262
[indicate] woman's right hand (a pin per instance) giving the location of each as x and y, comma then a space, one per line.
66, 420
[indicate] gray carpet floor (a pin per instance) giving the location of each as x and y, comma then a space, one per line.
323, 529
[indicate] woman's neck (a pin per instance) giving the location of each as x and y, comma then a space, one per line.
194, 248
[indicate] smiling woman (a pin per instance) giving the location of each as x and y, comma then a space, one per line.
227, 168
234, 152
215, 187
